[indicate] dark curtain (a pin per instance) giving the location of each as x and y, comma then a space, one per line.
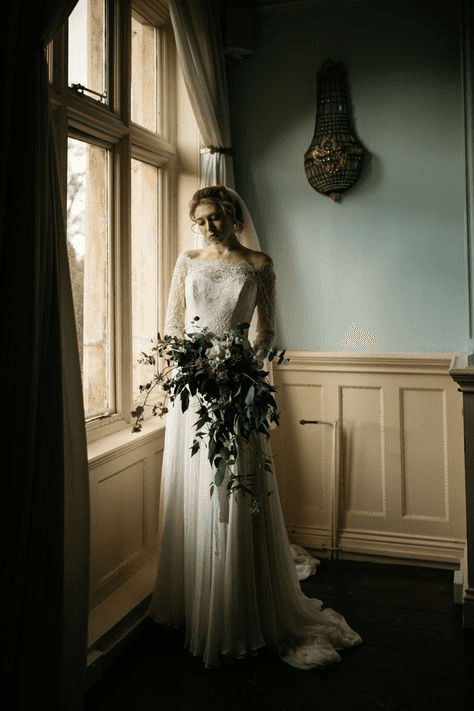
45, 521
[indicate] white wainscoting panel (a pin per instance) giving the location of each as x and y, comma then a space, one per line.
401, 476
305, 455
424, 438
125, 482
361, 409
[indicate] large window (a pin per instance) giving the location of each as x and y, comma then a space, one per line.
113, 94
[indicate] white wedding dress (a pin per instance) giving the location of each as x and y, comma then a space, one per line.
226, 575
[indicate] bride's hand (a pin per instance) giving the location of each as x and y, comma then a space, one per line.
260, 355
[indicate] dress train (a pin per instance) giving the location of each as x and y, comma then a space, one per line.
228, 576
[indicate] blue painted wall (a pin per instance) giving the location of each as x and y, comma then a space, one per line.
391, 256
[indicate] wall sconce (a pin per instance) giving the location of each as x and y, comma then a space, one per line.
333, 160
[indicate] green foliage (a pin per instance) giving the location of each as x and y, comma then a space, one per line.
235, 399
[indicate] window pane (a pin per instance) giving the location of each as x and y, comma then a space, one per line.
145, 246
145, 38
87, 47
89, 259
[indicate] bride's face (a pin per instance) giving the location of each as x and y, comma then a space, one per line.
215, 226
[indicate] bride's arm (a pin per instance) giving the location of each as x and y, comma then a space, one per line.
265, 335
175, 314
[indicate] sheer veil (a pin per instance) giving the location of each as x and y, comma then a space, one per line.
248, 236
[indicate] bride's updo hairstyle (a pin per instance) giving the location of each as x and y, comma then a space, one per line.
219, 195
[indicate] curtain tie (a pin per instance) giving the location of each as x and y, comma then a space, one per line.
217, 149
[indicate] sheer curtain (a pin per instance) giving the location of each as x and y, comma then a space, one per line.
45, 521
198, 38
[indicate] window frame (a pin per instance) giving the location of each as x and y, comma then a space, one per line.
76, 113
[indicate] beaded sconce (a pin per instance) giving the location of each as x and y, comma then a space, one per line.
333, 160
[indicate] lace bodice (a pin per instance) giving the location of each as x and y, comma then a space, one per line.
222, 295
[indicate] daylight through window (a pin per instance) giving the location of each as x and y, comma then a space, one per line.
89, 251
113, 104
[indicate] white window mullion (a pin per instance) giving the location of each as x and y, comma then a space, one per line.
168, 85
123, 271
169, 244
113, 374
121, 58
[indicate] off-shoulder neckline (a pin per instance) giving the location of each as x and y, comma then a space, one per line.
242, 263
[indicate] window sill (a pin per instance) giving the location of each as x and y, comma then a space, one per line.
124, 439
104, 427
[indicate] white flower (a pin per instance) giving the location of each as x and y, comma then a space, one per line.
218, 352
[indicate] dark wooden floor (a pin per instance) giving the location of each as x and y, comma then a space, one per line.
415, 656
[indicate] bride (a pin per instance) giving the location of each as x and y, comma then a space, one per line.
226, 574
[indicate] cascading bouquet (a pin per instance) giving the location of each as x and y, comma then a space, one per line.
235, 399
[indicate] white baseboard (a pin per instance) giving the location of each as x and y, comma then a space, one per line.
114, 608
381, 546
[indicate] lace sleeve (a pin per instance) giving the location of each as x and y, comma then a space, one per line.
175, 315
265, 335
